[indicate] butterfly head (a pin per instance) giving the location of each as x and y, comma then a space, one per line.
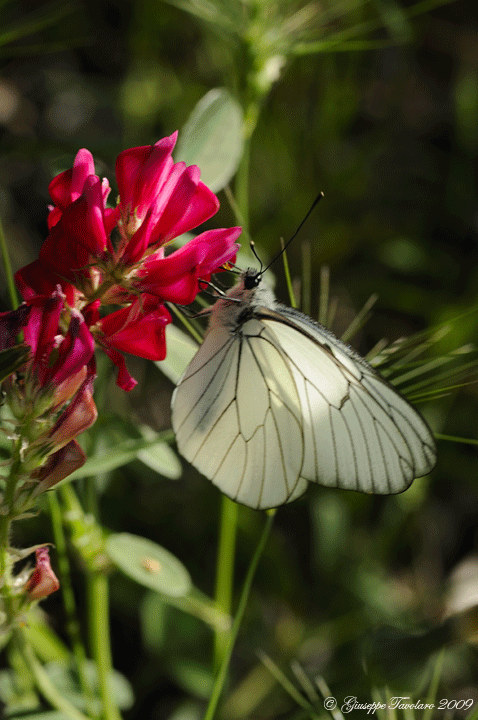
251, 278
241, 300
247, 289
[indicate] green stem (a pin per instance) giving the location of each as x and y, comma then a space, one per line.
6, 518
99, 633
242, 186
12, 291
225, 572
246, 588
5, 565
69, 603
43, 682
87, 538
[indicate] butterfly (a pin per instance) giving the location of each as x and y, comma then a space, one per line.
272, 401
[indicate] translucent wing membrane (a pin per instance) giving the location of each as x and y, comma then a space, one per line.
236, 415
278, 401
360, 434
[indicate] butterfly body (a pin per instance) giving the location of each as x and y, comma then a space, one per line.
273, 401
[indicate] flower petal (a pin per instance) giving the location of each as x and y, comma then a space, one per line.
66, 187
11, 322
139, 329
175, 278
124, 379
74, 352
141, 172
36, 279
59, 465
80, 414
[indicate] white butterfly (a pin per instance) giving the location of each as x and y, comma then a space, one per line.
273, 400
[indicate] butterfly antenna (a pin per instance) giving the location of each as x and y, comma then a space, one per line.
254, 252
316, 201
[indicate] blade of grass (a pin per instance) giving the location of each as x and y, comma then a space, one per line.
325, 692
453, 373
306, 277
454, 438
360, 319
288, 279
286, 684
69, 602
12, 291
188, 325
332, 311
324, 294
379, 700
433, 689
304, 681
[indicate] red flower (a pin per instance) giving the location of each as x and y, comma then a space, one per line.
159, 200
56, 357
43, 581
101, 256
62, 347
56, 382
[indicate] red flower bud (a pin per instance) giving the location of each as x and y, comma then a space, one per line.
43, 581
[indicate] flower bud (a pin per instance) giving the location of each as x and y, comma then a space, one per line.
43, 581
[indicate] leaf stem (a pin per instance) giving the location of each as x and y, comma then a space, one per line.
246, 588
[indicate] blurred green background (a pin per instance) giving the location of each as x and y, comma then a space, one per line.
376, 104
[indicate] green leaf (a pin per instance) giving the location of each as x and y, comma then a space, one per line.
154, 616
160, 458
115, 457
44, 640
212, 138
66, 683
16, 692
188, 711
181, 350
148, 564
11, 359
194, 677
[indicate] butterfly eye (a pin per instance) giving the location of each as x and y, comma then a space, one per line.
252, 281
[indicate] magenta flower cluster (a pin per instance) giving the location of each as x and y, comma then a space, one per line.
102, 279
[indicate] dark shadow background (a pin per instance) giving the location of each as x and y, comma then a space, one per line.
391, 136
